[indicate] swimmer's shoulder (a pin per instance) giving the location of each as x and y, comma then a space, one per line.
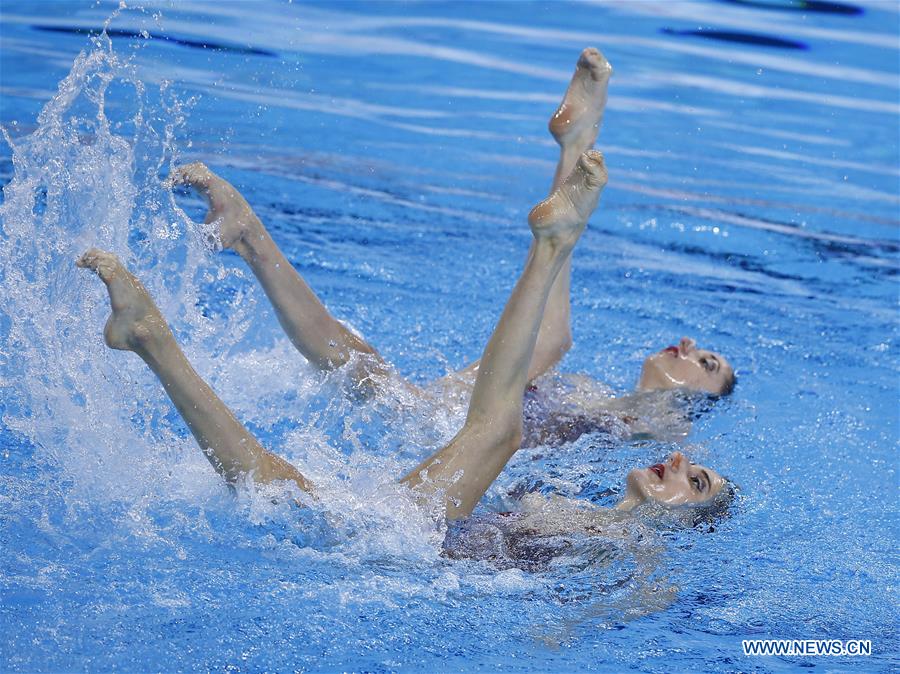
554, 515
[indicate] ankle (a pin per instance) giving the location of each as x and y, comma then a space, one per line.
150, 334
153, 342
569, 152
555, 248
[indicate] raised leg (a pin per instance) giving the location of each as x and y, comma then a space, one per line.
577, 120
137, 325
575, 126
322, 339
466, 467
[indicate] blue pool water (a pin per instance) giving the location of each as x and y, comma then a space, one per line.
394, 150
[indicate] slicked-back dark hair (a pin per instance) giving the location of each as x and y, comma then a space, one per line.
728, 386
707, 515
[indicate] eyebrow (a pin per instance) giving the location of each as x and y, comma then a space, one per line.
706, 476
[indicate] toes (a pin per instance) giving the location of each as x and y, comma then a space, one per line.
592, 162
92, 258
593, 167
196, 174
593, 158
102, 263
595, 62
88, 259
588, 57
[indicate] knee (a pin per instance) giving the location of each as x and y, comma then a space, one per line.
554, 347
509, 435
565, 343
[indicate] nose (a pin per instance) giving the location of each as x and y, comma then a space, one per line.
675, 460
686, 345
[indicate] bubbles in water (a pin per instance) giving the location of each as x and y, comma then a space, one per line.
77, 184
91, 174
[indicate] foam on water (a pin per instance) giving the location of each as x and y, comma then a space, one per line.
123, 549
91, 175
78, 183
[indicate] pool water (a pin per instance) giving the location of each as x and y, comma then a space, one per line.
394, 150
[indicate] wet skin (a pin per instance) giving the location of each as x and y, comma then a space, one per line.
686, 366
677, 482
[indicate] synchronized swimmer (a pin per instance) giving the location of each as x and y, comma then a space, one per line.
531, 337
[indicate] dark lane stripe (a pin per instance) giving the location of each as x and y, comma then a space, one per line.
739, 37
819, 6
185, 42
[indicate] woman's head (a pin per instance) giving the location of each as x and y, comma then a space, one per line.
686, 366
677, 482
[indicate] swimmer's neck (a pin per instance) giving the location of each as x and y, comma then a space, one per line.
628, 503
534, 502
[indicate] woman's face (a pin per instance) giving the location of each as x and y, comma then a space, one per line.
673, 483
686, 366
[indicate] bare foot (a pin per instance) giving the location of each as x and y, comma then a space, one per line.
227, 208
561, 217
577, 120
135, 320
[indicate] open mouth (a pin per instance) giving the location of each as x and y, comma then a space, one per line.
659, 469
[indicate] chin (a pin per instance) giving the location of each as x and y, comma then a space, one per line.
650, 379
635, 485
